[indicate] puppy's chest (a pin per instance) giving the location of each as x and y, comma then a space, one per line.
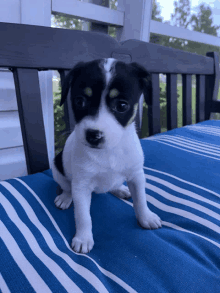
110, 175
111, 172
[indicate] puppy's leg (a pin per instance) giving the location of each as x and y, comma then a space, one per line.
64, 200
145, 217
121, 192
83, 241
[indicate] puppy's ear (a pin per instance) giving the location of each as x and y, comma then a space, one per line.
145, 81
69, 79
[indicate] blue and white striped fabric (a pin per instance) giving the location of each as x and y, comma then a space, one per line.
182, 169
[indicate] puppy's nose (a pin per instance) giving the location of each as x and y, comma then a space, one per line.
94, 137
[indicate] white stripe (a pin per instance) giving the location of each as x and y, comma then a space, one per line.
183, 191
211, 126
186, 150
183, 213
185, 230
209, 129
187, 182
108, 63
183, 201
203, 130
206, 144
3, 285
186, 145
81, 270
166, 208
201, 145
28, 270
85, 273
55, 269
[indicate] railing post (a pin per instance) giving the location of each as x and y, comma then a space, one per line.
136, 26
102, 28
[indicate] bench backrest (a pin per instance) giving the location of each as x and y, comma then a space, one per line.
27, 49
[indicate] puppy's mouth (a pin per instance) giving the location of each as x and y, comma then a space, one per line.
92, 146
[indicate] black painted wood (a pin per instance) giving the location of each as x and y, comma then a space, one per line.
31, 119
68, 114
200, 98
154, 108
171, 101
46, 48
160, 59
212, 86
187, 99
41, 47
216, 106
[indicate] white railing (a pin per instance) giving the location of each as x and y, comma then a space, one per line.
164, 29
104, 15
89, 11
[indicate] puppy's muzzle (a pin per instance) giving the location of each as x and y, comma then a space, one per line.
94, 137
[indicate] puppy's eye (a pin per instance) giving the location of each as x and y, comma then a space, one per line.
121, 106
80, 102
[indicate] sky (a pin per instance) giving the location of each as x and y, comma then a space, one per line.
167, 7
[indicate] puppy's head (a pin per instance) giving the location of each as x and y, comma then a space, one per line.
104, 97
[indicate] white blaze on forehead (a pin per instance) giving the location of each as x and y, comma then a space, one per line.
108, 63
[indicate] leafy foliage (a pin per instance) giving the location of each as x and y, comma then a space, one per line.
59, 124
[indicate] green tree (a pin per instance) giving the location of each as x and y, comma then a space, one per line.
155, 38
203, 22
60, 132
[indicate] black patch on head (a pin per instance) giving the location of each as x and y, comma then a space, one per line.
58, 162
129, 80
145, 81
84, 75
71, 76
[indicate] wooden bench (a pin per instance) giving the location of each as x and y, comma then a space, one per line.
27, 49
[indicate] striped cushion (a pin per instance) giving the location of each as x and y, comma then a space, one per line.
182, 169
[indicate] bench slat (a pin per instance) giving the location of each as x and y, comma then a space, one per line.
154, 109
212, 86
200, 98
34, 46
216, 106
171, 101
187, 99
31, 119
159, 59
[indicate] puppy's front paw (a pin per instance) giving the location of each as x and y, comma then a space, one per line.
63, 201
122, 192
150, 221
82, 244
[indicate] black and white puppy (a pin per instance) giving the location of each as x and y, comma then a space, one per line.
104, 150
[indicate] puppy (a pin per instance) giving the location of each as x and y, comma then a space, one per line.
104, 150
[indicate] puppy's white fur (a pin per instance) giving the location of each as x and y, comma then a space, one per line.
120, 158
